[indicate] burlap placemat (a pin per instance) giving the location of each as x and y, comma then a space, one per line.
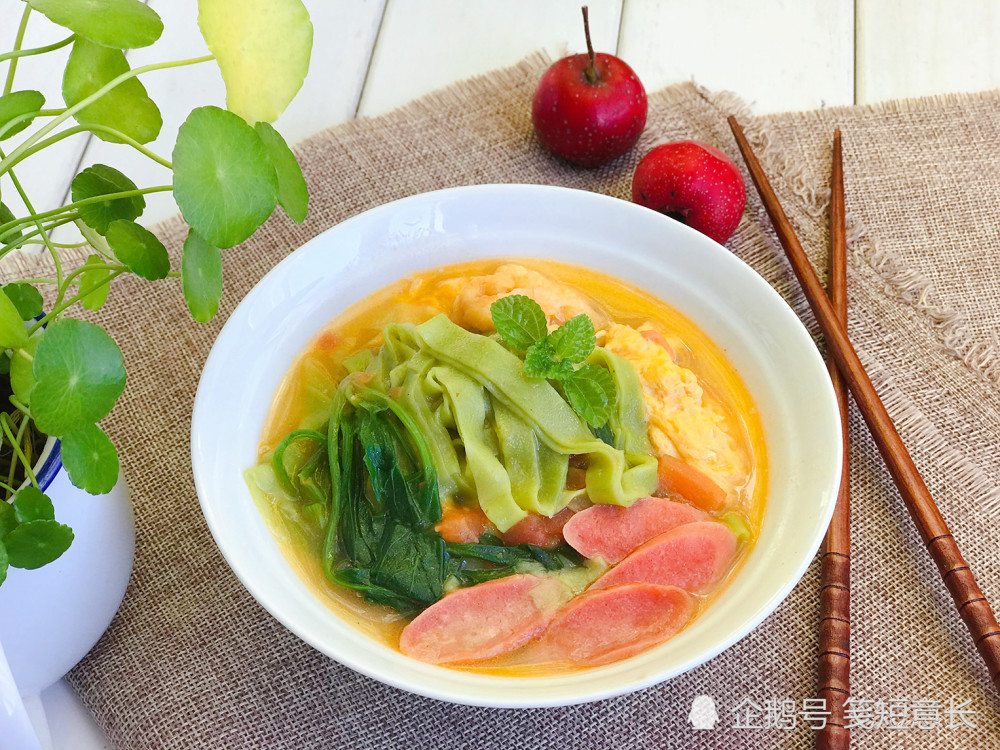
191, 661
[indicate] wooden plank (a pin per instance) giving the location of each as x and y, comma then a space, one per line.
922, 47
425, 45
45, 177
775, 54
344, 33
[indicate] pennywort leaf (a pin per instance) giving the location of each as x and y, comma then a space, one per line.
201, 277
95, 274
22, 378
263, 48
139, 249
4, 561
12, 332
8, 519
519, 320
98, 180
31, 504
15, 105
124, 24
79, 374
90, 459
574, 340
126, 108
27, 300
11, 234
36, 543
591, 392
292, 192
224, 182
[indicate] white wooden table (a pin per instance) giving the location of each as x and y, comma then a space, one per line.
373, 55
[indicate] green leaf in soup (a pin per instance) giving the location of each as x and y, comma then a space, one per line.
519, 320
574, 340
126, 108
591, 391
12, 332
26, 299
139, 249
262, 48
36, 543
4, 562
540, 362
90, 459
8, 519
224, 182
22, 376
411, 563
201, 277
79, 374
98, 275
124, 24
98, 180
16, 105
11, 234
293, 195
31, 504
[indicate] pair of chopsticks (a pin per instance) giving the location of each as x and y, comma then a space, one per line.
972, 606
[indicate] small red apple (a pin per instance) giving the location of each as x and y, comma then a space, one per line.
694, 183
589, 109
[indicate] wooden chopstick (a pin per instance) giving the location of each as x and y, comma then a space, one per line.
835, 594
972, 606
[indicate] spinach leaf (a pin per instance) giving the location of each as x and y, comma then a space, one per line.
360, 528
360, 580
411, 563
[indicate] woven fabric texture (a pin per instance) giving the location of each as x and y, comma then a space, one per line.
191, 661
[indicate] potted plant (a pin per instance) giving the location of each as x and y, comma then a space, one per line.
59, 376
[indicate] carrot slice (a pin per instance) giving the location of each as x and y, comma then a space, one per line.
690, 556
611, 532
599, 627
538, 530
484, 620
461, 524
678, 477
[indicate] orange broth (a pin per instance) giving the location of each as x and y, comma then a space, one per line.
421, 297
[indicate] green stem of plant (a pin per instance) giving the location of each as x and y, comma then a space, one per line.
20, 436
14, 122
91, 129
84, 291
83, 202
18, 53
48, 128
37, 222
10, 490
26, 238
4, 419
9, 84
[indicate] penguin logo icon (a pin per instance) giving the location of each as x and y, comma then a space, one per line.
703, 714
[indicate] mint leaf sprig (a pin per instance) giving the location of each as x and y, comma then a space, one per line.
589, 388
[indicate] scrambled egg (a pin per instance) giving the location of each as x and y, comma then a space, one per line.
683, 421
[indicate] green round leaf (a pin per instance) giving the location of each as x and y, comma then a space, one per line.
101, 179
36, 543
22, 376
224, 183
31, 504
15, 105
12, 333
4, 563
8, 519
139, 249
126, 108
79, 373
26, 299
262, 48
90, 459
201, 277
293, 195
125, 24
95, 275
11, 234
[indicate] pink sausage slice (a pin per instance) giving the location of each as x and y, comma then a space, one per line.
483, 620
612, 532
690, 556
599, 627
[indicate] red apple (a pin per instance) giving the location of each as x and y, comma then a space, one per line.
589, 109
694, 183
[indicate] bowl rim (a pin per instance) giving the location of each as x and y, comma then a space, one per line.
495, 192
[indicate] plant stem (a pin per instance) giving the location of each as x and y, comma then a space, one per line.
18, 53
9, 84
591, 71
14, 122
48, 228
38, 223
90, 129
84, 291
17, 448
83, 202
28, 143
20, 436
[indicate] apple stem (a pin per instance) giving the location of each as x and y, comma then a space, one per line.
591, 71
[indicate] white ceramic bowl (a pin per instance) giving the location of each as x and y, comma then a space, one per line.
761, 335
